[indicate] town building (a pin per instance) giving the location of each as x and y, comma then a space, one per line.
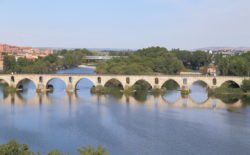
22, 52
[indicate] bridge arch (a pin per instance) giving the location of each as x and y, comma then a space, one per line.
4, 82
171, 81
141, 83
83, 79
202, 82
231, 83
199, 92
20, 84
114, 82
57, 82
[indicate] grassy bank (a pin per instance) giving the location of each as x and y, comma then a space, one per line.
227, 91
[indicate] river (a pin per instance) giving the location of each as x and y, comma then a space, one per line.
168, 124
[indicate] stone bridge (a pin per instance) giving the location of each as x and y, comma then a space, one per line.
41, 81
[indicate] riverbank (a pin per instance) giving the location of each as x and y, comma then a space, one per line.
228, 91
87, 66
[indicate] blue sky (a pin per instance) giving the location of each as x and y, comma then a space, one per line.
185, 24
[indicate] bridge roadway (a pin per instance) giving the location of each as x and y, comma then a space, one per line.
41, 81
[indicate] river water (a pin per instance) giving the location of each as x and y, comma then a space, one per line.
147, 125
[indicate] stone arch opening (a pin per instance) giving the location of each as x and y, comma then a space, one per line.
84, 83
199, 92
171, 85
55, 84
3, 86
200, 83
26, 84
172, 94
3, 82
114, 84
142, 85
230, 84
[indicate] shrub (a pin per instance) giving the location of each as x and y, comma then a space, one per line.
246, 85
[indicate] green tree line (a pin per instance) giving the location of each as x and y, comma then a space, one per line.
14, 148
61, 60
153, 60
145, 61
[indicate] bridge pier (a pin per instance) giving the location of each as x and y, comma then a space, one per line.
70, 87
41, 88
185, 90
12, 85
156, 86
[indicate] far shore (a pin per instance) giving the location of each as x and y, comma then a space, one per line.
86, 66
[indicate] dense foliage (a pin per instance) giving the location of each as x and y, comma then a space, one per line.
60, 60
13, 148
159, 60
238, 65
146, 61
193, 60
153, 60
246, 85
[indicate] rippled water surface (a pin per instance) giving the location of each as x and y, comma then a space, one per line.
168, 124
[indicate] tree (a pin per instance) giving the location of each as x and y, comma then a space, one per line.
9, 63
55, 152
91, 151
13, 148
151, 60
246, 85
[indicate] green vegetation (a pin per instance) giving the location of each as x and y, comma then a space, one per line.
13, 148
91, 151
61, 60
153, 60
231, 88
193, 60
146, 61
10, 90
246, 85
238, 65
156, 60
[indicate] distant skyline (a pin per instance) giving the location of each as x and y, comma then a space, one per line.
130, 24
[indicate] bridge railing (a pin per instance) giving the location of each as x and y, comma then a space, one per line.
116, 75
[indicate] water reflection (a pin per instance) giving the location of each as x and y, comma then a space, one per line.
169, 100
124, 124
199, 92
172, 98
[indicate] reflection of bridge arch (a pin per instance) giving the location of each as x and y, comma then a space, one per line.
203, 85
199, 103
168, 102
